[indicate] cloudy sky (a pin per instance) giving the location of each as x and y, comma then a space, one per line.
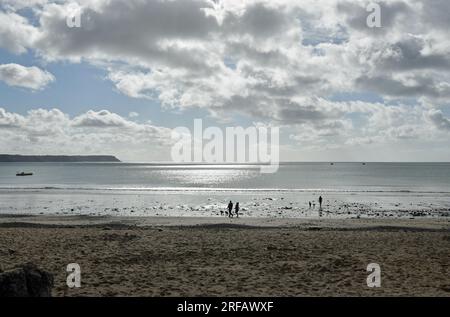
136, 69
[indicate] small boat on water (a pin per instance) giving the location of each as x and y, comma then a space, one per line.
24, 174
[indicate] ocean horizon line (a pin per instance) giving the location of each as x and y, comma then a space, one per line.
243, 163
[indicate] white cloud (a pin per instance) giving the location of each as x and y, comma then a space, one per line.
20, 4
10, 120
43, 131
249, 56
438, 119
27, 77
16, 33
101, 119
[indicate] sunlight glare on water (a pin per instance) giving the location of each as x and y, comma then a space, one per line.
208, 177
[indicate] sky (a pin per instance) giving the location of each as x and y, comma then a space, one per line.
338, 89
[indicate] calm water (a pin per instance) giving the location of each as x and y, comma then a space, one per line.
200, 190
433, 177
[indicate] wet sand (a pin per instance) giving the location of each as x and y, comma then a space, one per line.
254, 204
237, 257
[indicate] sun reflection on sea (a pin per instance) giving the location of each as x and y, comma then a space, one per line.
208, 177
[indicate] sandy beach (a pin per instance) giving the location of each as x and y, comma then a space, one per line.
169, 256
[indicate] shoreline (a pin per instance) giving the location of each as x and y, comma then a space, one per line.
271, 204
86, 221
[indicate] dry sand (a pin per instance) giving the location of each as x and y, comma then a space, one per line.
222, 257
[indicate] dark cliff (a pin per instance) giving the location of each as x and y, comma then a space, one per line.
57, 158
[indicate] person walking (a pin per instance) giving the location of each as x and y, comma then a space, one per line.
230, 209
320, 202
236, 209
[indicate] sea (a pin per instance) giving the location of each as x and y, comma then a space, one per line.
349, 190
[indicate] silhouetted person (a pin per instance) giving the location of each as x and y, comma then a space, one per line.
310, 205
236, 209
320, 202
230, 209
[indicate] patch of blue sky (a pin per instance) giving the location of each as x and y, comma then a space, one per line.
29, 14
313, 36
230, 63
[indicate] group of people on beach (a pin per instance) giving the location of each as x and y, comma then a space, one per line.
230, 209
236, 207
313, 204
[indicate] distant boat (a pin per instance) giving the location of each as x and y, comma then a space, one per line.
364, 163
331, 163
24, 174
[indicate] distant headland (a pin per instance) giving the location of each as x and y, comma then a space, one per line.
57, 158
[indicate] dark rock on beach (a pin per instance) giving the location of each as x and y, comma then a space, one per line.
26, 281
